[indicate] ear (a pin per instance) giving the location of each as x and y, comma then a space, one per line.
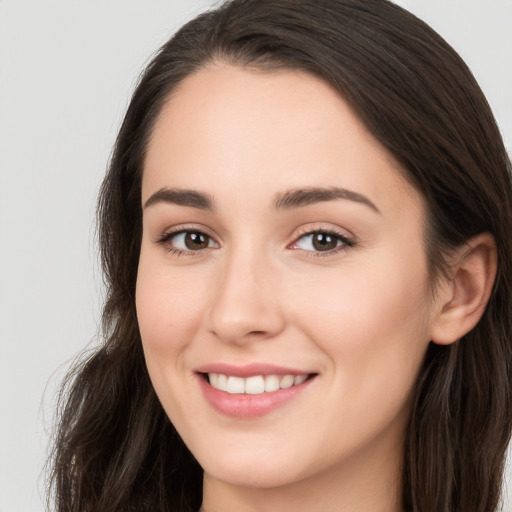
462, 299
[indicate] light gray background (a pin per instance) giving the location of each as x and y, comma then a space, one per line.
66, 70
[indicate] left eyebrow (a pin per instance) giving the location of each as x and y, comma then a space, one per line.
299, 197
181, 197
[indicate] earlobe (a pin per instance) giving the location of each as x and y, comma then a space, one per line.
463, 298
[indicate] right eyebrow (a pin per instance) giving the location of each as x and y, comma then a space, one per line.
182, 197
300, 197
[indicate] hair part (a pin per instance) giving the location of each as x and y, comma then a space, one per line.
116, 449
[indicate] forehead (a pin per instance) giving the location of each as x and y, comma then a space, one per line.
230, 129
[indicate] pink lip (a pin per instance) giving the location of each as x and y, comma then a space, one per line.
249, 370
246, 405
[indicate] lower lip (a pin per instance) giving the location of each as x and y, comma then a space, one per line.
246, 405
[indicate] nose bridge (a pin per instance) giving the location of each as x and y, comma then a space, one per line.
243, 305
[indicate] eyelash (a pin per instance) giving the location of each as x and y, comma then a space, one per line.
165, 239
346, 242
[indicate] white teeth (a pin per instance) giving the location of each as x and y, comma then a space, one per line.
254, 385
271, 383
235, 385
222, 383
214, 379
299, 379
286, 382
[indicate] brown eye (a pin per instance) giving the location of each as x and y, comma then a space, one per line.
195, 241
188, 241
322, 241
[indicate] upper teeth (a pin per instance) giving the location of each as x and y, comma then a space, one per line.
254, 385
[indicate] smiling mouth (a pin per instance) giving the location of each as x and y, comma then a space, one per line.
254, 385
251, 391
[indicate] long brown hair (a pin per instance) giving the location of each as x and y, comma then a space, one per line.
115, 449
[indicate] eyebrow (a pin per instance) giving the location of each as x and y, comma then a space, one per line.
181, 197
295, 198
299, 197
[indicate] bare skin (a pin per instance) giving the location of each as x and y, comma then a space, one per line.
351, 308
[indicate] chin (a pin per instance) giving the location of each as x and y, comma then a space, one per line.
249, 477
253, 470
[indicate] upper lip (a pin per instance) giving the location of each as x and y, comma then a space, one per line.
249, 370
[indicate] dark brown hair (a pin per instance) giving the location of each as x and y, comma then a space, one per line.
115, 448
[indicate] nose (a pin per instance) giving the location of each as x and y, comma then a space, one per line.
244, 306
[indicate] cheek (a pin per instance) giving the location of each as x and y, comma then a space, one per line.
357, 302
168, 313
168, 309
373, 326
373, 331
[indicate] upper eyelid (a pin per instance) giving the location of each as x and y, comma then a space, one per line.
314, 227
183, 228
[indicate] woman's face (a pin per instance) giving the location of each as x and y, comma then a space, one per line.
280, 243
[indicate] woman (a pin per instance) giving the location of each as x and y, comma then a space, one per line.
305, 231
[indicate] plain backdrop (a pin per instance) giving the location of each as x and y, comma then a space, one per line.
66, 71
